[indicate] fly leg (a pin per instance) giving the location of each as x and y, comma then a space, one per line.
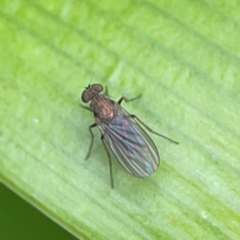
110, 161
106, 91
90, 130
92, 138
150, 130
104, 144
128, 100
141, 122
85, 107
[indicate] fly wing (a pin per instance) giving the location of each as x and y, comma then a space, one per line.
131, 145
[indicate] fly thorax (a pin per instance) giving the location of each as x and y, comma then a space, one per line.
102, 107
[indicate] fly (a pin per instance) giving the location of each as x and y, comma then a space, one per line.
121, 132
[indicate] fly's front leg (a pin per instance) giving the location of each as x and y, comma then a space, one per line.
150, 130
92, 138
106, 91
85, 107
110, 161
128, 100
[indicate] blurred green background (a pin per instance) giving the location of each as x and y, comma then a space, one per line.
183, 56
20, 220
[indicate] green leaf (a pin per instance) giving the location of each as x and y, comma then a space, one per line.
184, 56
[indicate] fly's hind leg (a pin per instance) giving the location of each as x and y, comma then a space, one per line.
150, 130
141, 122
104, 144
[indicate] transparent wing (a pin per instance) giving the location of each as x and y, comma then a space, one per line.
131, 145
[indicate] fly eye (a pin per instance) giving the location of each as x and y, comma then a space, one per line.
91, 91
97, 87
85, 96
